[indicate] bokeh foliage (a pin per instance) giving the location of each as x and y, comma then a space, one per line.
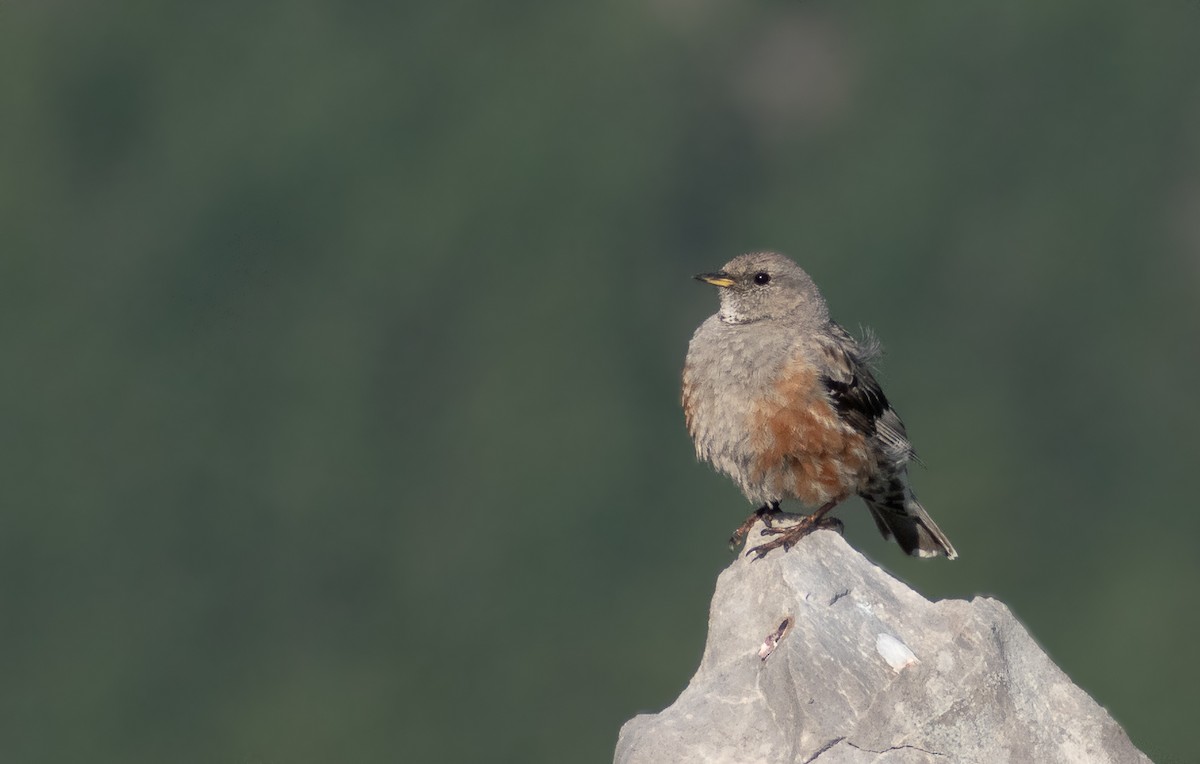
343, 342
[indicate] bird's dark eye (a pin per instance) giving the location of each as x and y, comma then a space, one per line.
762, 279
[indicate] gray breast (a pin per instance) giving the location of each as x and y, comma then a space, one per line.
728, 368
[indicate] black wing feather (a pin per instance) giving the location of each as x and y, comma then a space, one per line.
859, 400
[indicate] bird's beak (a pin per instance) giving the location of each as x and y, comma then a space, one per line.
720, 278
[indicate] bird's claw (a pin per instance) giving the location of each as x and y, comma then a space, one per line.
765, 513
789, 536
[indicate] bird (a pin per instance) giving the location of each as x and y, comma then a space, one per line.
783, 400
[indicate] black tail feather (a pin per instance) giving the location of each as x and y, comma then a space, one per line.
900, 516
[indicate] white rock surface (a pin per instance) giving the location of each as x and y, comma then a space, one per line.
867, 670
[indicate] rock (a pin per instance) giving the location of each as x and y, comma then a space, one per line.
860, 668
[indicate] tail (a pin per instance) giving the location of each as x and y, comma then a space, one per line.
899, 515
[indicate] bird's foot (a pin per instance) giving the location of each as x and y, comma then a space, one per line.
766, 513
787, 537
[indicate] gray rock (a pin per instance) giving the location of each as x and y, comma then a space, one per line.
867, 670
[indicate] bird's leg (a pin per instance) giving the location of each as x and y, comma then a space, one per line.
764, 513
787, 537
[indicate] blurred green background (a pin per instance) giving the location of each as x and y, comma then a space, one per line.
341, 415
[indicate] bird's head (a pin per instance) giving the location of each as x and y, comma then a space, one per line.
765, 285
